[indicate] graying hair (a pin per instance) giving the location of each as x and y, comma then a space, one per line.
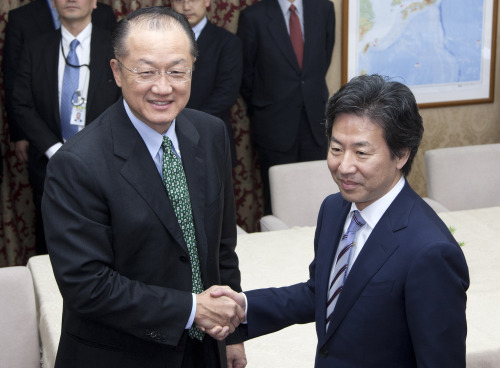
151, 18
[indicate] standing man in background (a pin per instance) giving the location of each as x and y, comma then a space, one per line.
45, 99
218, 67
26, 23
140, 216
287, 49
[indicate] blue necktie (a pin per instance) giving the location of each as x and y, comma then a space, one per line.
69, 86
339, 273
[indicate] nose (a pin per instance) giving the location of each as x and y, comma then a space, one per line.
347, 164
162, 85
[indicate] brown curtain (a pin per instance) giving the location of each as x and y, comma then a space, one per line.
17, 208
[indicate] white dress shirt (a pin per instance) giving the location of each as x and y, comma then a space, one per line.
371, 215
83, 53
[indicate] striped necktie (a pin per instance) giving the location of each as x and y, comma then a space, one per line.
340, 271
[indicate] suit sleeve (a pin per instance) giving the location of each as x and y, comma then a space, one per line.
11, 55
435, 304
227, 80
272, 309
34, 128
78, 228
247, 33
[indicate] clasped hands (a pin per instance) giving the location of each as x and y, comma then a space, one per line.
219, 310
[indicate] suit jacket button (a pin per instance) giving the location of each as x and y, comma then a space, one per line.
183, 259
323, 352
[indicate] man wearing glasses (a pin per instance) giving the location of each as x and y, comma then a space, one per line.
219, 67
45, 102
142, 222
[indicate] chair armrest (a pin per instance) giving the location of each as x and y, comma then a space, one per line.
240, 230
272, 223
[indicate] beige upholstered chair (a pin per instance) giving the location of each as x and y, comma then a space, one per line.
239, 230
297, 191
466, 177
19, 343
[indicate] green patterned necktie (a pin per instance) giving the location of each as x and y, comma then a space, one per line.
174, 180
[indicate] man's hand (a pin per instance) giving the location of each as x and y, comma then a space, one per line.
21, 150
217, 316
236, 357
219, 291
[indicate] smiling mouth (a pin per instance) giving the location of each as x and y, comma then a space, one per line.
348, 184
160, 103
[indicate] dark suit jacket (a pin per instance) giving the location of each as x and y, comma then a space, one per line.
116, 247
273, 86
217, 75
35, 95
403, 302
25, 23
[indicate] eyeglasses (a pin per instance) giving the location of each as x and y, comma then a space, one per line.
178, 74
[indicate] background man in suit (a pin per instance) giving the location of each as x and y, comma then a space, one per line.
38, 89
219, 66
126, 253
25, 23
283, 82
392, 293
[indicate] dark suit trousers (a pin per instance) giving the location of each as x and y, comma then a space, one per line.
305, 148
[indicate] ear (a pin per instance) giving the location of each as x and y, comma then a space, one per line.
207, 4
116, 72
401, 161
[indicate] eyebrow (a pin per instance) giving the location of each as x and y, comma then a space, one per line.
153, 64
356, 144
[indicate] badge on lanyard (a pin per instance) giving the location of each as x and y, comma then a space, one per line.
78, 110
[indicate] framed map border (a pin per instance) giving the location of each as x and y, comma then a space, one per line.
436, 94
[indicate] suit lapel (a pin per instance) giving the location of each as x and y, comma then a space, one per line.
310, 30
140, 171
278, 31
51, 59
204, 36
193, 163
43, 16
379, 247
98, 55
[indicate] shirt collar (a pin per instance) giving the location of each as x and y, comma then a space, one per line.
375, 211
285, 5
199, 27
83, 37
151, 137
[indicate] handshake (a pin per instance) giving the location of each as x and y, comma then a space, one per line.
219, 310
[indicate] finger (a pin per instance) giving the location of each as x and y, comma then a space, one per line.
222, 334
218, 291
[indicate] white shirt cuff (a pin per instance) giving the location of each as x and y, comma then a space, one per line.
53, 149
193, 313
246, 308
